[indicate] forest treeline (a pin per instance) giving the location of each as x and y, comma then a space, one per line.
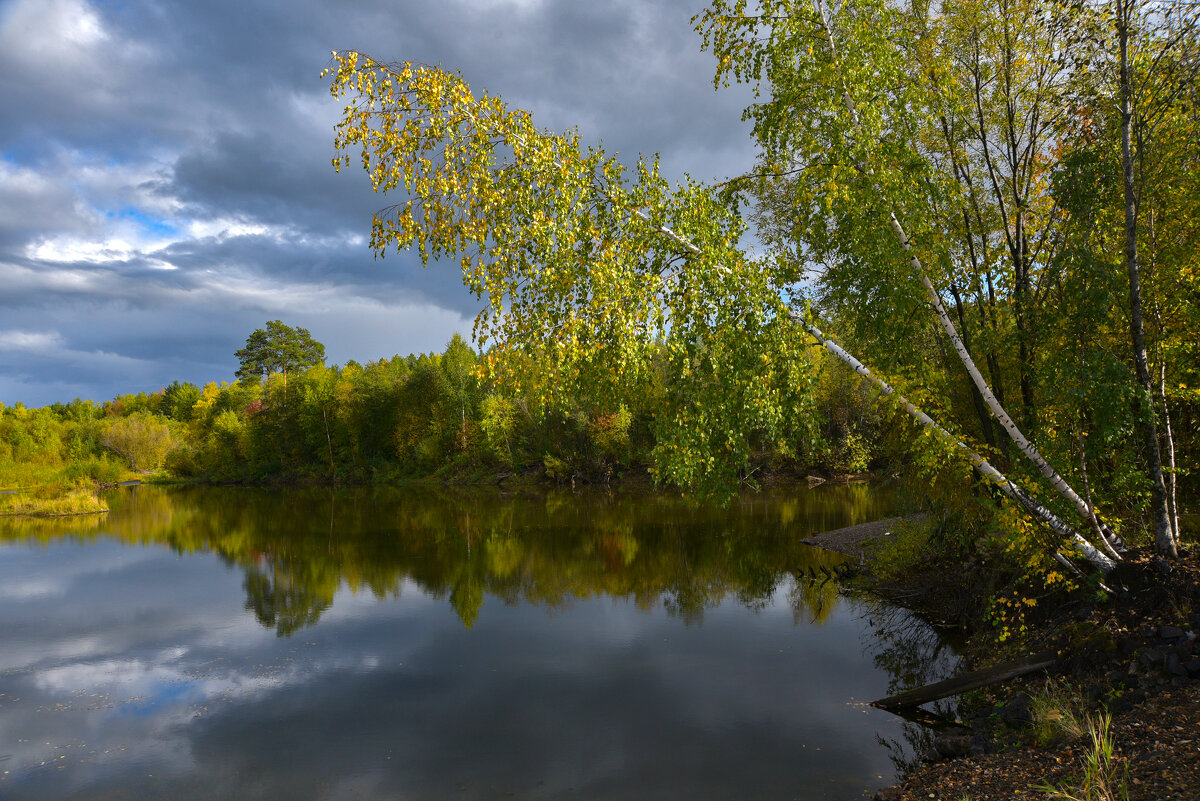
434, 415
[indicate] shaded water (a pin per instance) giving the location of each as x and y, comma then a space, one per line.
430, 644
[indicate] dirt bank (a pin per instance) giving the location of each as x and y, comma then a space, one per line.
852, 539
1136, 657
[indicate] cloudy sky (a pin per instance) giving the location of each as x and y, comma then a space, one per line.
165, 178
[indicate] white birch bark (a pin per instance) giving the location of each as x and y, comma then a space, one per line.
1172, 508
1006, 422
1090, 553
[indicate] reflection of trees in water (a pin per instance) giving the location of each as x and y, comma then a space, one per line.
298, 547
813, 596
282, 602
912, 653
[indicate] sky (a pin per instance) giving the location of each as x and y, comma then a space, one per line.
165, 176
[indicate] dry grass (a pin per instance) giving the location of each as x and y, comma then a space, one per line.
53, 499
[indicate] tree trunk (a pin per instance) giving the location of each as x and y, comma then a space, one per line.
939, 308
1093, 555
1024, 354
985, 421
328, 442
1172, 508
1164, 542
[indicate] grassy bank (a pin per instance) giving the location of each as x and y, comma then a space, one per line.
54, 498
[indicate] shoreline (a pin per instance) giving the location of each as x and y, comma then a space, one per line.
849, 541
1135, 659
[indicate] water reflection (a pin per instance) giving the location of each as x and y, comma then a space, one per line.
297, 548
423, 644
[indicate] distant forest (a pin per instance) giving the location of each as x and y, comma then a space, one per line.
435, 415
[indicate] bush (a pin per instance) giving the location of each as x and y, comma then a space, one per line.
140, 439
853, 455
96, 468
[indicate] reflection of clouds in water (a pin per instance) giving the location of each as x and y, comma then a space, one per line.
171, 678
157, 666
22, 577
538, 704
115, 709
32, 587
25, 654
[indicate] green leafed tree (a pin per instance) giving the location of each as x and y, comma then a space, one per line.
585, 265
588, 267
141, 439
278, 348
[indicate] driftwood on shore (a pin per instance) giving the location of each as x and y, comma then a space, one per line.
968, 681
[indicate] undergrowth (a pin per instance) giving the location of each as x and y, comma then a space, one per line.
1101, 777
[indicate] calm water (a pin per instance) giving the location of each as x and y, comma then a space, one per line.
425, 644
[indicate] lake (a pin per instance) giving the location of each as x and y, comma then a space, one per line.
425, 643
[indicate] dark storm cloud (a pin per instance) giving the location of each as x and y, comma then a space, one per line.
165, 178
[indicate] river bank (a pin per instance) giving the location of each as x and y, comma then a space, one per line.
1134, 660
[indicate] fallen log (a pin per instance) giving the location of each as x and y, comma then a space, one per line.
968, 681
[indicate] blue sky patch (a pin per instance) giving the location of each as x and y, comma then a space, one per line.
156, 226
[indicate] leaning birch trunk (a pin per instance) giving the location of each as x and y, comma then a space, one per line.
1005, 419
1090, 553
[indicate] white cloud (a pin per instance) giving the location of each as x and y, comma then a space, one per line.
35, 341
226, 228
487, 5
52, 31
73, 249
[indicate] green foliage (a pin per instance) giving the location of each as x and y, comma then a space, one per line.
1058, 714
140, 439
1102, 776
278, 348
567, 246
898, 557
179, 400
498, 422
98, 469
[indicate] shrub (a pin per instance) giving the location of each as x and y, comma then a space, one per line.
140, 439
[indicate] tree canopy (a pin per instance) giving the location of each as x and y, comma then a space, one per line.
913, 159
585, 264
278, 348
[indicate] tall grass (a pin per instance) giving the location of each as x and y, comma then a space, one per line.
1102, 777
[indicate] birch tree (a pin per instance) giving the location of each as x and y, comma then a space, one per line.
1128, 183
1136, 113
911, 166
580, 261
584, 265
